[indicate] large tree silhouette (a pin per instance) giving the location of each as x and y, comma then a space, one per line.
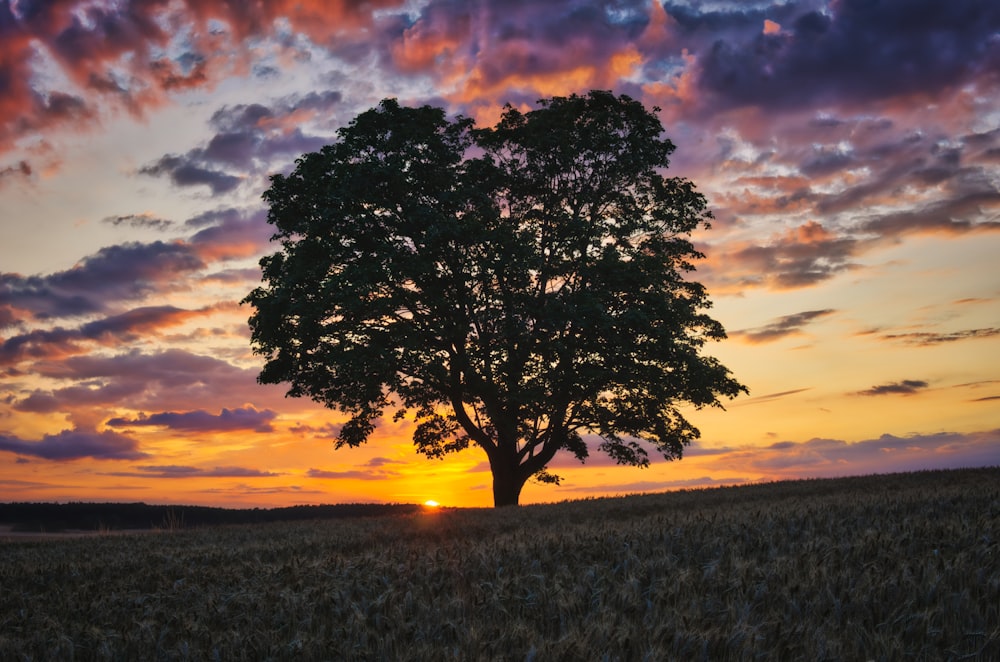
512, 288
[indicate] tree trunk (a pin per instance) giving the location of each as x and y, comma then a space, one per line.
508, 479
506, 488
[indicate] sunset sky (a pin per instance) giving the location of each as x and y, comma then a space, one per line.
850, 151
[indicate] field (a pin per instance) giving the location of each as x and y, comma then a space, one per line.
899, 567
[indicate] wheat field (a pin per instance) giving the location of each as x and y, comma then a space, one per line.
898, 567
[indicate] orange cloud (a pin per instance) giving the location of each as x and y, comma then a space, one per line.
678, 96
657, 32
425, 47
809, 233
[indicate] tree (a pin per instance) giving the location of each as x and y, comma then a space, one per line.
513, 288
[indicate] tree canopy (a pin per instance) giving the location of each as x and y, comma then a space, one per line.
520, 288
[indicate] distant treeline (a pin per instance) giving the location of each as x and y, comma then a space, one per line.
56, 517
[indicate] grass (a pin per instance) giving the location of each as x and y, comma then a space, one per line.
900, 567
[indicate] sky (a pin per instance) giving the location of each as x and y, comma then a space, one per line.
849, 149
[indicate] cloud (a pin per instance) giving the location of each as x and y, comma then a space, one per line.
885, 176
351, 474
170, 380
768, 397
924, 49
75, 397
800, 257
905, 387
874, 180
248, 139
956, 215
186, 171
382, 461
133, 56
819, 457
117, 274
241, 418
180, 471
253, 490
273, 123
144, 321
782, 327
139, 222
114, 274
326, 431
373, 469
930, 338
8, 317
74, 445
60, 342
518, 50
21, 170
230, 233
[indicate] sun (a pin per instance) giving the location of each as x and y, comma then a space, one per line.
431, 503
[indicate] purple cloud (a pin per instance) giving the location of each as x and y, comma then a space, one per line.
382, 461
139, 222
834, 457
186, 171
373, 469
166, 381
110, 331
114, 274
230, 233
249, 137
799, 257
326, 431
930, 338
180, 471
955, 215
351, 474
905, 387
902, 47
74, 445
782, 327
241, 418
